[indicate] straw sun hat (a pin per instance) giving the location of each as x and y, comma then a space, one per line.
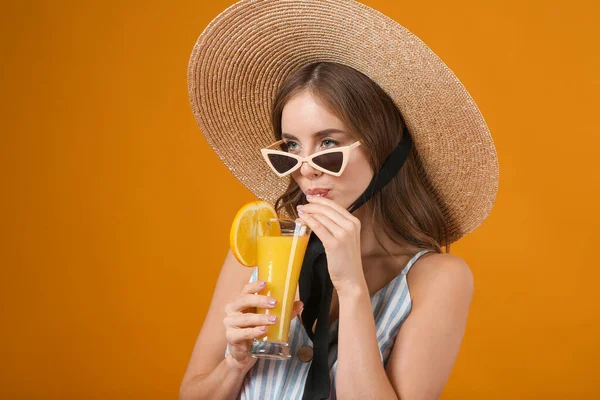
244, 55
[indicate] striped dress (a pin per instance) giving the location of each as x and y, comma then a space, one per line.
284, 379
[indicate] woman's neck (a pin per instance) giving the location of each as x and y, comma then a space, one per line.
371, 231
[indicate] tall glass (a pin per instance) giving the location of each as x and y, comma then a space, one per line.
281, 244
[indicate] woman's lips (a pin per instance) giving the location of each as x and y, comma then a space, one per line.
318, 192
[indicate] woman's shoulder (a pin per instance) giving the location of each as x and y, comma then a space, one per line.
234, 269
440, 275
233, 276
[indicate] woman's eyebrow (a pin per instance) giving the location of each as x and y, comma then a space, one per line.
322, 133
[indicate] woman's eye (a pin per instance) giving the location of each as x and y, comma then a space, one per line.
329, 143
291, 146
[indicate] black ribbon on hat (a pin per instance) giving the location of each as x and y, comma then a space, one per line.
316, 288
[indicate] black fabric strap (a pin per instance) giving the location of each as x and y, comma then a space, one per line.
316, 288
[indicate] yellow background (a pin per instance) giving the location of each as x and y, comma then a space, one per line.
115, 211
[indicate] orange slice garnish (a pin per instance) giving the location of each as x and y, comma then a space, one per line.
245, 226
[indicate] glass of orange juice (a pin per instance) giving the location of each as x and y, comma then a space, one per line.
280, 248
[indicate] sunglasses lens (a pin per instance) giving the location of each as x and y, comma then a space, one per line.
330, 161
282, 163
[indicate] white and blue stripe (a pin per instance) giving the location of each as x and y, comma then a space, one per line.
275, 379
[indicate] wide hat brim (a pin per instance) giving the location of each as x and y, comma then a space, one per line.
244, 55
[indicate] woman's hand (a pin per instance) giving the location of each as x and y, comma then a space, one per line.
339, 232
242, 324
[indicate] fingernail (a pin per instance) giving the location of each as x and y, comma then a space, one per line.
272, 302
309, 196
263, 328
300, 211
262, 284
272, 318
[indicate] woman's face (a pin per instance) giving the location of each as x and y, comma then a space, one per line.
303, 123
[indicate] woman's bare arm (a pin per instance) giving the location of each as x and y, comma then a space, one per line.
209, 374
427, 345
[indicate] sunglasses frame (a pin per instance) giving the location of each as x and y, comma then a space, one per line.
345, 150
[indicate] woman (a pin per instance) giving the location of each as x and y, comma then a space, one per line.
398, 308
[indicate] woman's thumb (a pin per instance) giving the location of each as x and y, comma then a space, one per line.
298, 306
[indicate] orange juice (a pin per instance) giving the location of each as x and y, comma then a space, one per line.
279, 260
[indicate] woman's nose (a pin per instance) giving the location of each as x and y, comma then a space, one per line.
309, 172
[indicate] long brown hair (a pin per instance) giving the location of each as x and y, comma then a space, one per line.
406, 207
